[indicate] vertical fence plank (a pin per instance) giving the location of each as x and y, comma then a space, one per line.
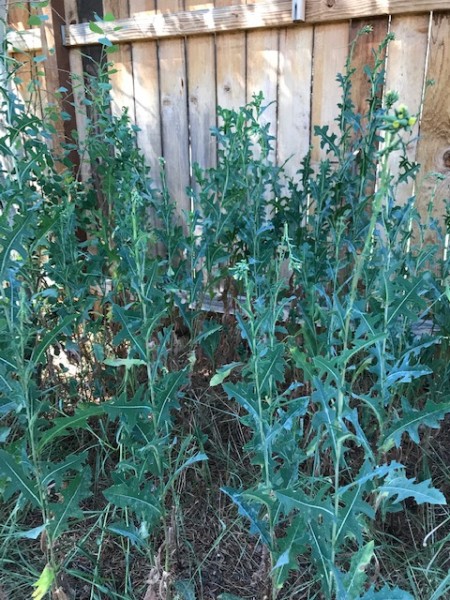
330, 54
262, 74
407, 77
231, 66
294, 96
147, 94
18, 15
122, 92
202, 94
175, 127
363, 56
434, 143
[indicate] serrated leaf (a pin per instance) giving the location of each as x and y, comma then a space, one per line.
400, 488
356, 577
311, 507
411, 420
250, 511
57, 472
19, 481
387, 593
44, 583
11, 240
129, 410
243, 394
272, 365
62, 425
168, 391
68, 509
143, 504
290, 547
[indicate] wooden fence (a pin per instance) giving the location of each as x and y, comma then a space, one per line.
178, 59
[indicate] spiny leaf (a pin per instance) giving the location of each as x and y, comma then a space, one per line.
356, 577
313, 507
142, 503
272, 366
128, 410
73, 494
290, 547
250, 511
400, 488
412, 419
62, 425
387, 593
12, 240
19, 481
56, 472
167, 393
243, 393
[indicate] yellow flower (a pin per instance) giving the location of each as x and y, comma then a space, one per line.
396, 124
412, 121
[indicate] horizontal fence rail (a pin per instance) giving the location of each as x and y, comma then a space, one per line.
277, 13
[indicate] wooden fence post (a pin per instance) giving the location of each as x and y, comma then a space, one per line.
57, 73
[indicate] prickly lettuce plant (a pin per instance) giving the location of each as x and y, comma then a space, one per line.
361, 284
86, 338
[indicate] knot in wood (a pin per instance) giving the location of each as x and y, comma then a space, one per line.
446, 159
331, 3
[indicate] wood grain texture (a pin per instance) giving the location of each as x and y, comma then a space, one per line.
363, 56
184, 23
122, 93
174, 115
321, 11
253, 15
146, 95
262, 75
202, 99
294, 96
201, 69
330, 53
231, 67
434, 143
407, 77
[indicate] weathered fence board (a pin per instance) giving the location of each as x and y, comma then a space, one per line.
122, 92
330, 53
434, 144
178, 59
294, 96
407, 77
174, 117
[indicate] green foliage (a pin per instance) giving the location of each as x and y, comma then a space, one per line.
102, 333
